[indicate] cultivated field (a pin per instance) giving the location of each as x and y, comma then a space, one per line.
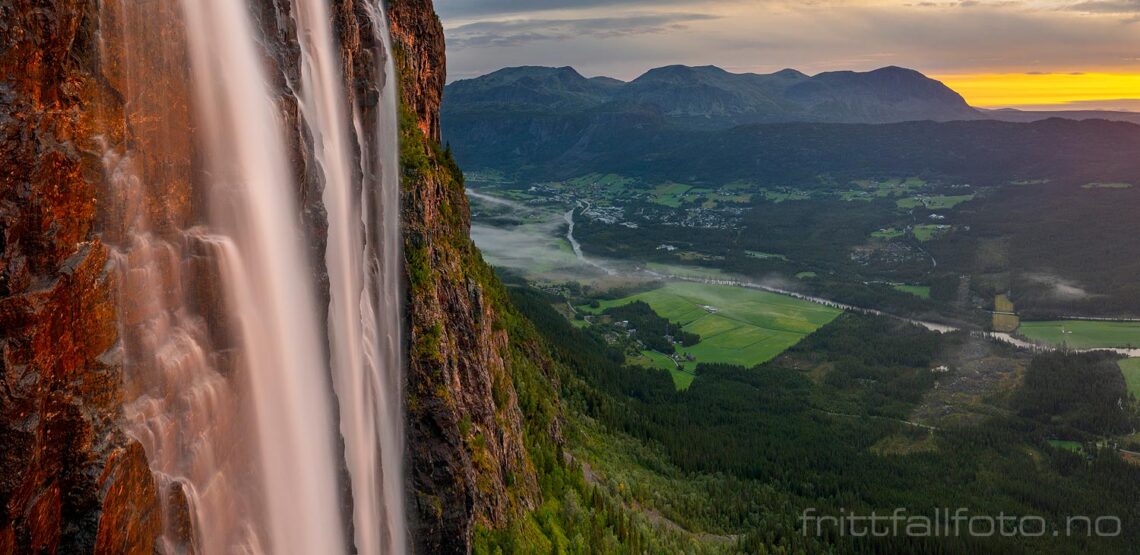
1083, 334
916, 290
1074, 446
929, 232
739, 326
682, 378
670, 194
934, 202
1130, 367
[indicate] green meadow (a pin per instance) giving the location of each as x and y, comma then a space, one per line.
1074, 446
1130, 367
670, 194
1083, 334
935, 202
737, 325
928, 232
888, 233
682, 378
916, 290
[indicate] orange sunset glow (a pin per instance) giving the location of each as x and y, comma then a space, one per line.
1063, 90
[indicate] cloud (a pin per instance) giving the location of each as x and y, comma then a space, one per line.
1111, 7
623, 38
969, 4
483, 8
508, 33
1128, 9
1117, 105
1059, 287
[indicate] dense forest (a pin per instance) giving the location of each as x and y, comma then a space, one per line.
529, 148
1080, 392
743, 452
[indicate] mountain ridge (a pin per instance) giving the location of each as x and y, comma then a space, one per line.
711, 97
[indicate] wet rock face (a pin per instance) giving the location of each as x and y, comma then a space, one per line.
468, 463
418, 38
70, 480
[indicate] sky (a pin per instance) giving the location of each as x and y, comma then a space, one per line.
1041, 54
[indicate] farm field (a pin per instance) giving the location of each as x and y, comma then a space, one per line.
935, 202
1074, 446
888, 233
671, 194
916, 290
1083, 334
1130, 367
682, 378
928, 232
783, 195
612, 181
740, 326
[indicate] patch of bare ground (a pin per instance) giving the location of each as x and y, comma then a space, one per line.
974, 385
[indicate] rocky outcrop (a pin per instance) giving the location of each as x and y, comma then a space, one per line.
418, 38
469, 465
70, 480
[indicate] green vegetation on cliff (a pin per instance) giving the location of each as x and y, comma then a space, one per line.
535, 500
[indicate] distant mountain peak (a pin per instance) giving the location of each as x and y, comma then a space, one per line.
710, 96
680, 71
517, 72
790, 72
530, 88
896, 69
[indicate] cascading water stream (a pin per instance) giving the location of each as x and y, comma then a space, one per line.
387, 280
230, 384
266, 280
178, 404
362, 258
180, 408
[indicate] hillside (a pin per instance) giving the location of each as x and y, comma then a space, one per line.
646, 145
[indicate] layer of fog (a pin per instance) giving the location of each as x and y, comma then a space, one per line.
1058, 288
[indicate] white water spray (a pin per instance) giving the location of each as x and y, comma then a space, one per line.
178, 404
381, 206
266, 280
362, 257
242, 436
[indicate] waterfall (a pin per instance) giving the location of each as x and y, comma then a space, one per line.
387, 278
266, 280
178, 404
230, 383
361, 258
